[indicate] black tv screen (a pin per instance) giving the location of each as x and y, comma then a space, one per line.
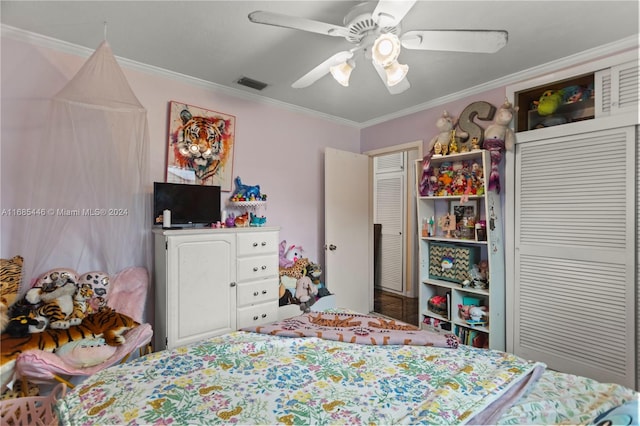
189, 204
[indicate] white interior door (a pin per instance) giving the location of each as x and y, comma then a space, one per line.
348, 229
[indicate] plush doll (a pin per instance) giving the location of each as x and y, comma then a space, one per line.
294, 253
282, 250
477, 312
23, 321
257, 220
305, 293
549, 102
445, 125
242, 221
498, 137
55, 292
297, 270
314, 271
438, 146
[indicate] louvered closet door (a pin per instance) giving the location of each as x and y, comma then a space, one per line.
575, 254
389, 202
618, 89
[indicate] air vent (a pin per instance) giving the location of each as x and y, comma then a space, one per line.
254, 84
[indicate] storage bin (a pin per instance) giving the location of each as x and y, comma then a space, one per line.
452, 262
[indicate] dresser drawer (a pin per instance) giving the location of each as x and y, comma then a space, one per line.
251, 243
257, 292
252, 268
257, 314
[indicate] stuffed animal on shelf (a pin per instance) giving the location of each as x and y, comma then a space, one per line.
257, 221
230, 221
440, 143
549, 102
498, 137
476, 313
246, 192
242, 221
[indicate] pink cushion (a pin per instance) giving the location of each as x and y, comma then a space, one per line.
40, 366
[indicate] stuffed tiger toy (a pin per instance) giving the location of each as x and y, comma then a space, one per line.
55, 300
107, 323
10, 277
80, 303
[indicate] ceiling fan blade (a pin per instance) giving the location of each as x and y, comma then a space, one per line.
321, 70
394, 90
477, 41
389, 13
286, 21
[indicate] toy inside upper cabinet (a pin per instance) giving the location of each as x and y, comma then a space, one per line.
556, 103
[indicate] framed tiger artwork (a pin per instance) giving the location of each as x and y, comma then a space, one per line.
200, 146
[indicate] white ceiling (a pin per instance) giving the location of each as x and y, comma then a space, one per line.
215, 41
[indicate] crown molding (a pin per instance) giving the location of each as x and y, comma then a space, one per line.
619, 46
74, 49
585, 56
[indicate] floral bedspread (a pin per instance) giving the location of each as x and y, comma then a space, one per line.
249, 378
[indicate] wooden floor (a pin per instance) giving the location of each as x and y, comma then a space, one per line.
396, 306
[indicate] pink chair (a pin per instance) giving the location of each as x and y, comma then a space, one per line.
127, 294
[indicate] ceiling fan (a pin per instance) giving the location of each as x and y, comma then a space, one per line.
375, 28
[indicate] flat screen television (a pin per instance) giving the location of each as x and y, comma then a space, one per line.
190, 205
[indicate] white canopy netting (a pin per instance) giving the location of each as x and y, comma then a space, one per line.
91, 178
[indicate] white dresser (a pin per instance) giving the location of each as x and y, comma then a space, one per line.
212, 281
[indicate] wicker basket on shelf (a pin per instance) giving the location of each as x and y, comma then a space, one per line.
438, 305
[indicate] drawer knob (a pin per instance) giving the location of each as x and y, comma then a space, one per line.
232, 284
255, 269
255, 244
264, 315
255, 318
264, 243
255, 293
263, 292
264, 267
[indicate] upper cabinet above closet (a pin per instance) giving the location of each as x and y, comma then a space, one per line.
578, 99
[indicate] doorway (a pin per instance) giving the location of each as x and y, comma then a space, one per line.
395, 231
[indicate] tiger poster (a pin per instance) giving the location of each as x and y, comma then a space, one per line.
200, 147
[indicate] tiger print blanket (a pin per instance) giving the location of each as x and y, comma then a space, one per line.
355, 328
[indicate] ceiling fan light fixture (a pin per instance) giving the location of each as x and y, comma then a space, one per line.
396, 73
342, 72
386, 49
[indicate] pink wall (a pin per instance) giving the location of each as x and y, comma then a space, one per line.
279, 149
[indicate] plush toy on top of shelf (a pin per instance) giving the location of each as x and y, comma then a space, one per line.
440, 142
246, 192
498, 137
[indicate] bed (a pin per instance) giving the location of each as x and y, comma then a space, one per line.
336, 368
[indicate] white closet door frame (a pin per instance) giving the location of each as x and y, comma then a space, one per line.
574, 279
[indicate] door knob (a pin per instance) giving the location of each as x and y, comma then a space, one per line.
332, 247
